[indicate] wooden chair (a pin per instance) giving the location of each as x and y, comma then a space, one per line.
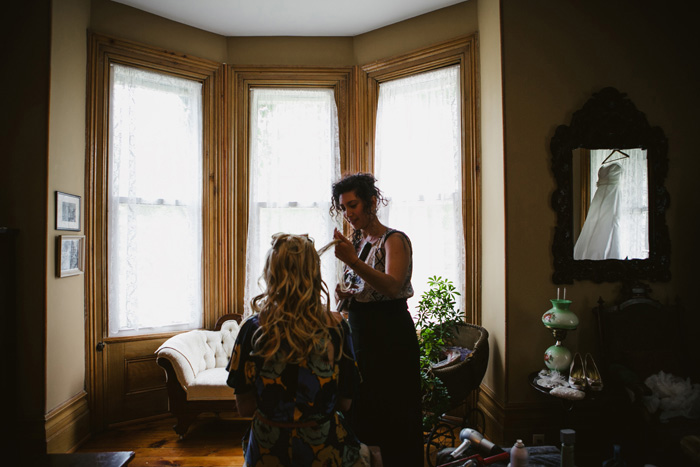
638, 338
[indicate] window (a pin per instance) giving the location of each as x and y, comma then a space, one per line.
428, 164
154, 196
294, 158
292, 140
418, 164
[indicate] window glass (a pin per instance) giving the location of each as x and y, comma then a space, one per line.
294, 158
154, 202
418, 166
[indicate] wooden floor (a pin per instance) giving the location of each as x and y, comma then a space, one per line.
210, 442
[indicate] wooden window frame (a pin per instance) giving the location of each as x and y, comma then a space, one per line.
216, 263
246, 78
461, 51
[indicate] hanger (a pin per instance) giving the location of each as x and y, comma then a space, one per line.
623, 156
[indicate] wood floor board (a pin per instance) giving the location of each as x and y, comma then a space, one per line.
232, 461
210, 442
184, 451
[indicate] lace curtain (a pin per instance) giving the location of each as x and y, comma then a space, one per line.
634, 199
154, 203
418, 165
294, 159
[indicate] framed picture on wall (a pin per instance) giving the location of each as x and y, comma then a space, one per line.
67, 211
70, 255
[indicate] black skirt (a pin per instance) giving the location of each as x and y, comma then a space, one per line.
387, 410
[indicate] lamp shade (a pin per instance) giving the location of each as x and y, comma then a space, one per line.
559, 316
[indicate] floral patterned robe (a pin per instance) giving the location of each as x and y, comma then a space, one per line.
296, 422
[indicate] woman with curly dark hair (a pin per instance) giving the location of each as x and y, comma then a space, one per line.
376, 284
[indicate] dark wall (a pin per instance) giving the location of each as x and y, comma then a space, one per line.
555, 55
24, 88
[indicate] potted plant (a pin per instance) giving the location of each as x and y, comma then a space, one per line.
435, 323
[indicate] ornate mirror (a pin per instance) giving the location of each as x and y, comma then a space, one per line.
610, 199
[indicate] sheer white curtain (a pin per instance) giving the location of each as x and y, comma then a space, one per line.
634, 199
294, 159
154, 202
418, 165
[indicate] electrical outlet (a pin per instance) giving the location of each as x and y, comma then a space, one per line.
538, 439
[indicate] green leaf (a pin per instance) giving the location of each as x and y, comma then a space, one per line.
434, 323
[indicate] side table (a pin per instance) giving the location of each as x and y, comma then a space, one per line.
586, 417
568, 404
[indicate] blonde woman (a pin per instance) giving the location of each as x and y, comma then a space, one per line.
293, 366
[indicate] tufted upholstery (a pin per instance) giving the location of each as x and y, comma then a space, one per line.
200, 358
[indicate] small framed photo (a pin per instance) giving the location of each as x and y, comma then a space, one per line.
70, 255
67, 211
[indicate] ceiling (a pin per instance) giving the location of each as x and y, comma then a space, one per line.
288, 17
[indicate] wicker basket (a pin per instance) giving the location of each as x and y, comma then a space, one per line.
462, 377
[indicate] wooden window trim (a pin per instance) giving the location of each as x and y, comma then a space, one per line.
461, 51
216, 213
246, 78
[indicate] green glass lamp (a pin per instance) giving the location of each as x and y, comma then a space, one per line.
560, 319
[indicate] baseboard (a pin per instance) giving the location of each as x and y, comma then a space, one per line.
507, 423
494, 413
68, 425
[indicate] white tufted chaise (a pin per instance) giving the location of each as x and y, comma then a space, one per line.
195, 366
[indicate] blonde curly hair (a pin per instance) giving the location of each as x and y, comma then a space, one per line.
291, 307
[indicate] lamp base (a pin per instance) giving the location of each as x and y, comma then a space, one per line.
557, 357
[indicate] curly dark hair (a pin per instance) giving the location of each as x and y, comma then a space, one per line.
363, 184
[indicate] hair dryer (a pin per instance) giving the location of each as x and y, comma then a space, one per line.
456, 457
481, 444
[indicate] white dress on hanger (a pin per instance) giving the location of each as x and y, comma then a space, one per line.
600, 236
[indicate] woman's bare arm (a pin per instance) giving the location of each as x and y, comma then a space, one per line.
397, 259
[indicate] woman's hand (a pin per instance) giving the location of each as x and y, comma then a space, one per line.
344, 250
342, 295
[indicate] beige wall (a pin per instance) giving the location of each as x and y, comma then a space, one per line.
125, 22
555, 55
493, 280
65, 304
415, 33
289, 51
396, 39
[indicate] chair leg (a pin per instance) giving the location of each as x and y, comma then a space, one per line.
183, 423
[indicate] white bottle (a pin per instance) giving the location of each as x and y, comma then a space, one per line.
518, 455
